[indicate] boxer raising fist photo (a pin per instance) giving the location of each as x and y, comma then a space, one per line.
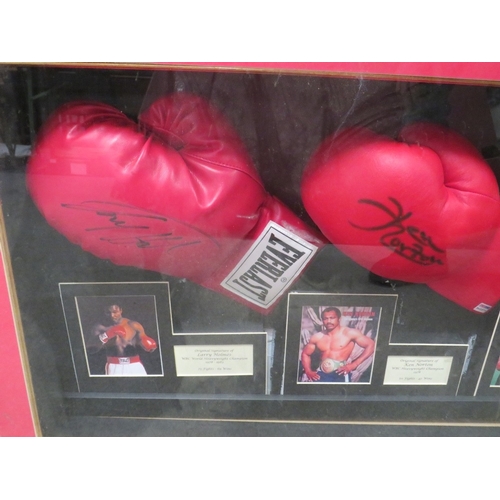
121, 341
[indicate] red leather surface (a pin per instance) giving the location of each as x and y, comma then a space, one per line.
404, 210
116, 331
181, 197
474, 280
148, 343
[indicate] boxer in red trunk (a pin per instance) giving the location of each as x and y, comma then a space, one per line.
121, 341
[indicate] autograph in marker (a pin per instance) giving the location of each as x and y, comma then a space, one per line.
120, 218
405, 240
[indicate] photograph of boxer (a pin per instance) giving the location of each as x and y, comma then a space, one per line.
496, 375
125, 342
337, 344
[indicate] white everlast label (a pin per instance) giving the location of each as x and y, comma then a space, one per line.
482, 308
270, 266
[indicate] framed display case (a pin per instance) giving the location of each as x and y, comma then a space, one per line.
249, 246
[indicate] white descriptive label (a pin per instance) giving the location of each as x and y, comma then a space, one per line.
213, 360
270, 266
417, 370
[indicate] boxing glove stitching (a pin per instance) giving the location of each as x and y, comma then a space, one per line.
225, 165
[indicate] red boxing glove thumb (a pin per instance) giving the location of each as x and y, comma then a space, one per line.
148, 343
114, 331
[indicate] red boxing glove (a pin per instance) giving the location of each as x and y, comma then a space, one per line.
148, 343
111, 332
402, 209
188, 204
474, 279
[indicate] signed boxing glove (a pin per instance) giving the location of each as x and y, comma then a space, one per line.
112, 332
473, 278
184, 200
403, 209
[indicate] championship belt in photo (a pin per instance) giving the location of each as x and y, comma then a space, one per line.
329, 365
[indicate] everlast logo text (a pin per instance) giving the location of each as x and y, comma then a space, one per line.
270, 266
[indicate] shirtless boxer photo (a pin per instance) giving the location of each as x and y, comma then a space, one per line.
335, 346
122, 341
